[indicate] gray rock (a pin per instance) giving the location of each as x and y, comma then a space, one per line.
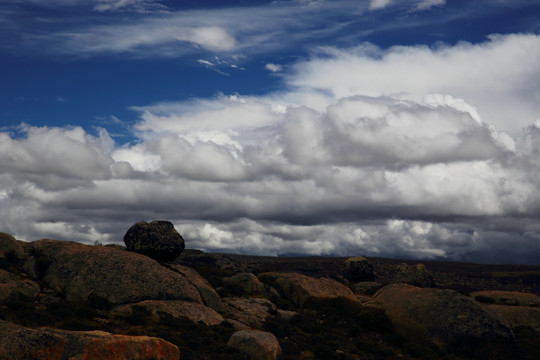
250, 311
18, 342
158, 240
244, 284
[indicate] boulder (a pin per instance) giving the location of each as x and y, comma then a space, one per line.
12, 287
164, 310
416, 275
10, 249
444, 318
358, 269
244, 284
209, 296
511, 298
258, 345
518, 308
86, 345
105, 276
301, 289
18, 342
158, 240
518, 315
365, 287
250, 311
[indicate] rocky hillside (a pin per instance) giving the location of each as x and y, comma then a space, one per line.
154, 300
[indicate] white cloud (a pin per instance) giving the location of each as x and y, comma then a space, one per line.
379, 4
428, 4
143, 6
273, 67
373, 152
213, 38
499, 78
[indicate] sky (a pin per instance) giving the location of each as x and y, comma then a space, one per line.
392, 128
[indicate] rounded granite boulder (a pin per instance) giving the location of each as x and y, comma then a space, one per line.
158, 240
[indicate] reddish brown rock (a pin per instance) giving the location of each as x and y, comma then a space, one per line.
244, 284
91, 345
258, 345
159, 310
101, 275
446, 319
18, 342
301, 288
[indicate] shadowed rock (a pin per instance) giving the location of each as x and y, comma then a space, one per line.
446, 319
416, 275
244, 284
158, 240
358, 269
12, 287
159, 310
250, 311
100, 275
258, 345
18, 342
209, 296
10, 249
300, 288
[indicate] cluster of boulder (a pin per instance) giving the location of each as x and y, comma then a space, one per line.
143, 280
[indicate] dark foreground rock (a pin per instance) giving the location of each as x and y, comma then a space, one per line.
258, 345
104, 276
158, 240
446, 319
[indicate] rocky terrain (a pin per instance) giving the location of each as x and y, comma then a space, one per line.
154, 300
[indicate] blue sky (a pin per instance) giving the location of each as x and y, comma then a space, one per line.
404, 128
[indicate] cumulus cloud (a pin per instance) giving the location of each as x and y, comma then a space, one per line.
499, 77
382, 162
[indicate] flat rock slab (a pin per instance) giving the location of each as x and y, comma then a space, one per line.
159, 310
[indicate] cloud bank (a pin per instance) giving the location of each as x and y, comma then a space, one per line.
368, 151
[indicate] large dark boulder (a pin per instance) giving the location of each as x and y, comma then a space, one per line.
447, 320
416, 275
258, 345
358, 269
158, 240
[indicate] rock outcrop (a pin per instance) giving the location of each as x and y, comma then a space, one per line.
209, 296
249, 311
446, 319
357, 269
99, 275
13, 288
258, 345
18, 342
244, 284
10, 249
158, 240
301, 289
416, 275
165, 310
